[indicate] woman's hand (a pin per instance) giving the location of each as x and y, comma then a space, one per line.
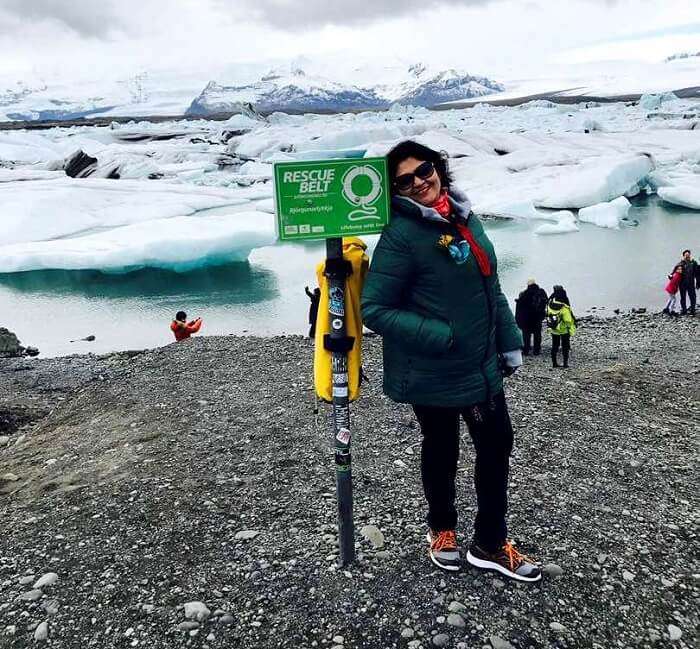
511, 361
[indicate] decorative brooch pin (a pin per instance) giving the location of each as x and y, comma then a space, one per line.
444, 241
459, 250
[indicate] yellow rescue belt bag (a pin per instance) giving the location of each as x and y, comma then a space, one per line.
353, 252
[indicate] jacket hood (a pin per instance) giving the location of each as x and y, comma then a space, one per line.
555, 305
460, 202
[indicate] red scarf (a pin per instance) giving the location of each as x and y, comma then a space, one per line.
444, 208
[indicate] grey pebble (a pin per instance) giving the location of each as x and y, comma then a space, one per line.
499, 643
441, 640
557, 628
187, 626
48, 579
42, 632
246, 535
552, 570
674, 633
455, 619
31, 595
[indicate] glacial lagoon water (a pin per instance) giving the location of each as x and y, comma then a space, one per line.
605, 269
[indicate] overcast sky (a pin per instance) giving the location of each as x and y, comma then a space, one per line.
203, 37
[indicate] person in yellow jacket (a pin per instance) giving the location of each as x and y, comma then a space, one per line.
561, 324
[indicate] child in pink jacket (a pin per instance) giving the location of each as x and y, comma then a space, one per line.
672, 290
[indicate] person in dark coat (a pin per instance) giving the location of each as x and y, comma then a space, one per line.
689, 283
530, 311
449, 338
315, 298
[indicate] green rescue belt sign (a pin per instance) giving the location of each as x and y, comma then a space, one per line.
331, 198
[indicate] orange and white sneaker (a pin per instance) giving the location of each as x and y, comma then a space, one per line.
508, 561
443, 550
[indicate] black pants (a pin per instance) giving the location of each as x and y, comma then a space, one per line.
565, 348
689, 292
491, 431
536, 334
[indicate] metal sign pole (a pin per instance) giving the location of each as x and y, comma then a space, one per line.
337, 270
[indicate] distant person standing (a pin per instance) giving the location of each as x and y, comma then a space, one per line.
315, 298
530, 311
690, 281
183, 329
561, 324
675, 280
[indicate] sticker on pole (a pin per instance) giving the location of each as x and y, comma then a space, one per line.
331, 198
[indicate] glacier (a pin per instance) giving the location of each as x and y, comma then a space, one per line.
198, 192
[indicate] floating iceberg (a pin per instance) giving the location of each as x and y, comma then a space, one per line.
566, 223
179, 243
683, 196
606, 215
597, 181
47, 209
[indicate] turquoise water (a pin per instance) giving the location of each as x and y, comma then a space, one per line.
600, 268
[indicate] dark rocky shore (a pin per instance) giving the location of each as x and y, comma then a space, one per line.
137, 484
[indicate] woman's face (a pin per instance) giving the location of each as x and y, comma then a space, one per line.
424, 190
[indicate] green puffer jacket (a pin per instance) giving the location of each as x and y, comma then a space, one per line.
443, 324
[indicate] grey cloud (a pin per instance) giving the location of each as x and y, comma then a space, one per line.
85, 17
290, 14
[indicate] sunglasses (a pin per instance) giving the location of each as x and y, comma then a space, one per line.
424, 170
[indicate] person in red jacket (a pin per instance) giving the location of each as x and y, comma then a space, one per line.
183, 329
672, 290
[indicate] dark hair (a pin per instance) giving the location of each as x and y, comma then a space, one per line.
559, 294
181, 316
688, 251
411, 149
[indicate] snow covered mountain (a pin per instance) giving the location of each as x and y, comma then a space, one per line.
426, 89
285, 92
299, 92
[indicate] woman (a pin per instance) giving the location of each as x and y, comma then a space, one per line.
672, 290
561, 324
432, 292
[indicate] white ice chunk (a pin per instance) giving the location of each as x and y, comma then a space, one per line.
684, 196
40, 210
252, 168
179, 243
516, 210
266, 205
652, 101
606, 215
597, 180
28, 173
566, 223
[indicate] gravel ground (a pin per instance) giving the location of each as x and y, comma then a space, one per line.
184, 497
